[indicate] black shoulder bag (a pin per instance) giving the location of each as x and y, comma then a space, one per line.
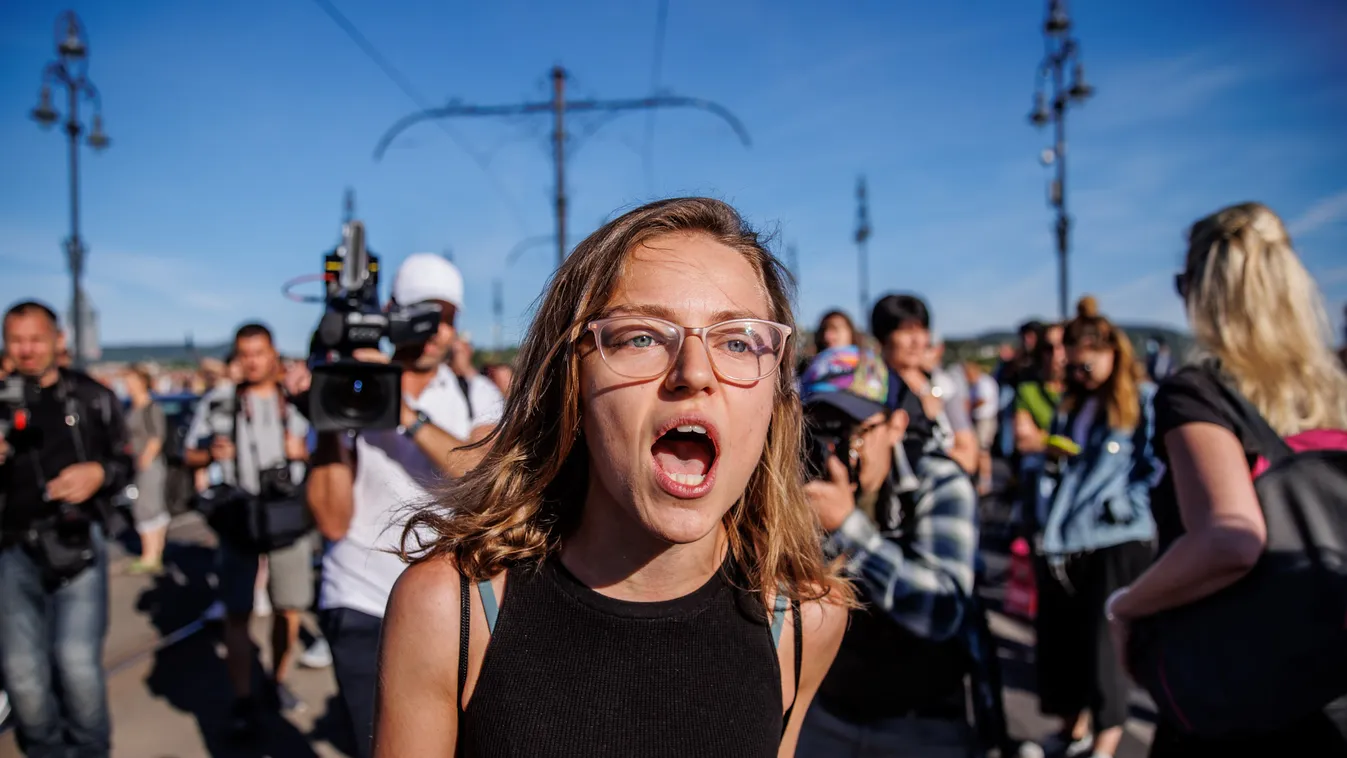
276, 517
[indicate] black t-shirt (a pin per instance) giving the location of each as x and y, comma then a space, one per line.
1191, 395
49, 442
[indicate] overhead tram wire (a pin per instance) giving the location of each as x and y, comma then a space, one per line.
404, 84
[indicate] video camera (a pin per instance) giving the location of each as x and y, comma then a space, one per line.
17, 394
347, 393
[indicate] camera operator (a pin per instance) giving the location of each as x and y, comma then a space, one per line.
897, 685
245, 430
356, 489
58, 472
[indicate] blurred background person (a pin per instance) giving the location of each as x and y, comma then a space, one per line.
147, 429
902, 325
983, 407
835, 329
247, 427
57, 477
501, 375
1097, 532
1260, 325
1036, 402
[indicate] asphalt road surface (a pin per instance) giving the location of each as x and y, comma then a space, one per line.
169, 695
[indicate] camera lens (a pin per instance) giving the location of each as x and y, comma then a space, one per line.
357, 397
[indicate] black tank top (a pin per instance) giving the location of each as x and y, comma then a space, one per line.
571, 672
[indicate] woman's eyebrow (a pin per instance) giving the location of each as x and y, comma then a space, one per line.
659, 311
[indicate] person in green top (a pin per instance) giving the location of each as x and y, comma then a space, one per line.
1035, 403
1036, 400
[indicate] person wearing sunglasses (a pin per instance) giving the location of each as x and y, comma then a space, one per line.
1097, 530
633, 569
1262, 333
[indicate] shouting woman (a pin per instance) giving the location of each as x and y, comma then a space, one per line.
633, 569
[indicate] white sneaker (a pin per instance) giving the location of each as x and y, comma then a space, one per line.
316, 656
1058, 746
215, 612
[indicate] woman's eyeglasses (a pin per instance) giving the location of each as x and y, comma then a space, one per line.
1181, 284
642, 347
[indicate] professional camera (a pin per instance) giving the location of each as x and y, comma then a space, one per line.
347, 393
17, 393
828, 432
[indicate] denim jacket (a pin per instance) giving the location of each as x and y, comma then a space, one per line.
1101, 497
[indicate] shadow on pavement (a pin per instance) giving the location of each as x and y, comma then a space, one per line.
190, 675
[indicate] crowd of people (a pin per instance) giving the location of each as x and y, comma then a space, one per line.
681, 530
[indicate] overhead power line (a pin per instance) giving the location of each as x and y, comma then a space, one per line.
404, 84
557, 107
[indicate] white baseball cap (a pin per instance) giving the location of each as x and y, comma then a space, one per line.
427, 276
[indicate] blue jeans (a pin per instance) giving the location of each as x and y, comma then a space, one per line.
50, 640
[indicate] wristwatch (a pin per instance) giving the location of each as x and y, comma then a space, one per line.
410, 431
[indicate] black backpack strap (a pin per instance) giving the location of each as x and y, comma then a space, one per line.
1270, 443
464, 634
799, 659
467, 396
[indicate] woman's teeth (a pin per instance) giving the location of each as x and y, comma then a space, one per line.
692, 429
691, 480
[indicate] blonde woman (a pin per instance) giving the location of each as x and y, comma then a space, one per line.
633, 569
1259, 319
147, 429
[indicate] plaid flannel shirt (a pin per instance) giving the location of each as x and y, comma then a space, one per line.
920, 572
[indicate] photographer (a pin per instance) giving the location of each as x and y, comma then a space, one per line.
248, 431
59, 466
357, 489
897, 684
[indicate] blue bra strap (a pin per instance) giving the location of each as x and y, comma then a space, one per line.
488, 604
779, 617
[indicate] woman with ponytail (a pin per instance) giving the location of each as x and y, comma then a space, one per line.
1094, 508
1262, 331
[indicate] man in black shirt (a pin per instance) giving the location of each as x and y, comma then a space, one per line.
58, 469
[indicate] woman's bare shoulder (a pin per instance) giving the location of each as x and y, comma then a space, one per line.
824, 621
426, 596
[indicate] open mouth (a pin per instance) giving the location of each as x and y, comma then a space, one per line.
685, 456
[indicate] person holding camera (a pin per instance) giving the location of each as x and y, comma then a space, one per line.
357, 488
254, 437
64, 455
896, 687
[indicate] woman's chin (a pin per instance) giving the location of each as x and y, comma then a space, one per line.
681, 522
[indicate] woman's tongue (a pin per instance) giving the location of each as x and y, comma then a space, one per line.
683, 459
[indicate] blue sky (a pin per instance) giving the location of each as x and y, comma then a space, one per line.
236, 127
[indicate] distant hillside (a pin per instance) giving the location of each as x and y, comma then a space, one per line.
984, 346
162, 354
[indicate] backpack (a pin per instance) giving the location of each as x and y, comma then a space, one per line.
1271, 648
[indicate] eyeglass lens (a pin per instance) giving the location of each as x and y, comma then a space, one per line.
746, 349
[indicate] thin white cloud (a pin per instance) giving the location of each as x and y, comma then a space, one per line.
1148, 92
1324, 213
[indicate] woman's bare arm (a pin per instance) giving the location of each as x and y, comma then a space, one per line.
824, 623
1224, 531
416, 703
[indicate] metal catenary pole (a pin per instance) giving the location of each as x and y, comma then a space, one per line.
558, 106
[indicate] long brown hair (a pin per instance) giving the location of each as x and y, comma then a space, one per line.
526, 495
1120, 392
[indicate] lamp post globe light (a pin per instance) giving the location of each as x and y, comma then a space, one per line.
70, 70
1053, 95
